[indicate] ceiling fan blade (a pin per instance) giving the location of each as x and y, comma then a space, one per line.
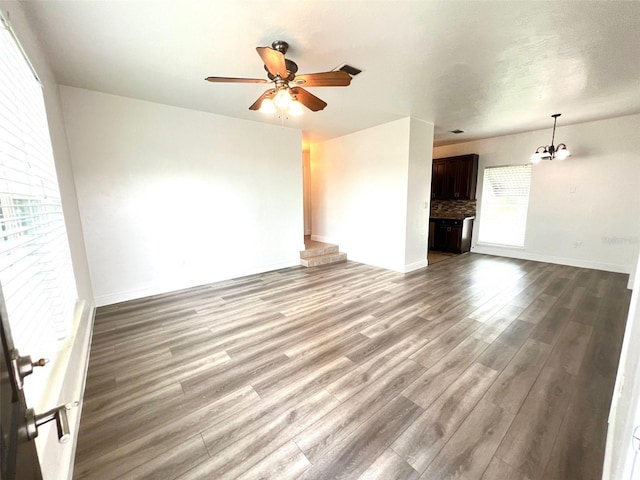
235, 80
309, 100
256, 105
274, 61
325, 79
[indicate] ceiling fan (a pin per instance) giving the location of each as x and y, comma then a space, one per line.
287, 92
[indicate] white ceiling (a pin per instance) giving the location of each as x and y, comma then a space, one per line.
489, 68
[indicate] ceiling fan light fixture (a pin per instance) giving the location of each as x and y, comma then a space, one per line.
267, 106
283, 99
295, 109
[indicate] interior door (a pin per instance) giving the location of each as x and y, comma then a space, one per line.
18, 456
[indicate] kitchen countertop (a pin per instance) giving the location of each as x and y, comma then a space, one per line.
451, 217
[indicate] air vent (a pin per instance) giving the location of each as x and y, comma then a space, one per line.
353, 71
457, 131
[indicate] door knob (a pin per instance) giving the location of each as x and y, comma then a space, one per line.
59, 414
23, 366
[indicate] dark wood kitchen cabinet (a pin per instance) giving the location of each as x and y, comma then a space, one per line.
455, 178
452, 235
447, 238
438, 179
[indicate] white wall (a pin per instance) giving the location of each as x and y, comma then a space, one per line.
418, 193
66, 381
625, 404
306, 189
583, 211
171, 198
361, 191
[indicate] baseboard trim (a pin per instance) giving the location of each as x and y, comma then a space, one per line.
112, 298
571, 262
323, 239
410, 267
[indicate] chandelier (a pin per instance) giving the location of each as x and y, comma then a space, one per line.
549, 152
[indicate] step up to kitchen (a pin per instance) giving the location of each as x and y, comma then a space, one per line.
321, 254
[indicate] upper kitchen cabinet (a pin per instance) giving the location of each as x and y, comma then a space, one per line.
455, 178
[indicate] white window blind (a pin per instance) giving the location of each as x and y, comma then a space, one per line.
35, 264
505, 201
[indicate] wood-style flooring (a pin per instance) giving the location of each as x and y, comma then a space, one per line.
478, 367
434, 256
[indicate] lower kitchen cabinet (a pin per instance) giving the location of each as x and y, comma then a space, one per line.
447, 238
451, 235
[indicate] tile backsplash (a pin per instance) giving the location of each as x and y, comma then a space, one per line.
453, 208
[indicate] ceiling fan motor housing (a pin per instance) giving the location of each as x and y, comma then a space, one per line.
292, 68
281, 46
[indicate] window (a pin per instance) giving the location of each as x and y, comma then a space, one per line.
505, 200
35, 264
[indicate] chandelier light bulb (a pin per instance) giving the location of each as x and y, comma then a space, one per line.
562, 153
